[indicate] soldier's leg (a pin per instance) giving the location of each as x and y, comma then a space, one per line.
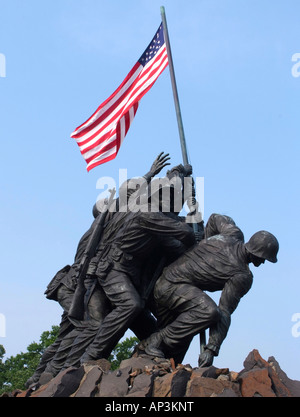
196, 311
126, 303
191, 311
97, 307
48, 355
64, 298
56, 364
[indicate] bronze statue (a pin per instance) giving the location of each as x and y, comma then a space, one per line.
131, 252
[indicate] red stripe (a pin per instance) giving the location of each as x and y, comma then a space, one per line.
127, 122
109, 158
118, 138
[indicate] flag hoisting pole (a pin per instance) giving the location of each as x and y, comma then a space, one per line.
179, 122
174, 87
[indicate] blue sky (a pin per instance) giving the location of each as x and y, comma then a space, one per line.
240, 109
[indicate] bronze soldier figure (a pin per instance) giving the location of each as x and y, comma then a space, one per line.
218, 262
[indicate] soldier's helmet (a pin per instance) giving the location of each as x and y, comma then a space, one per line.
264, 245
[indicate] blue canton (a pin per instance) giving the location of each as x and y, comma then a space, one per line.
154, 46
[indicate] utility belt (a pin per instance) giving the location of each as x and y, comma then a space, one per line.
113, 258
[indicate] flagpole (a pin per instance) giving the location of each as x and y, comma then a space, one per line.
174, 87
179, 122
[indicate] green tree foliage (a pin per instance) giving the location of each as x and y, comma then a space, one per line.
123, 350
15, 370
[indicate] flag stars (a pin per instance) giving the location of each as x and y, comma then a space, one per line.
153, 48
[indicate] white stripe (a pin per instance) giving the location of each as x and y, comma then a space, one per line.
122, 128
131, 115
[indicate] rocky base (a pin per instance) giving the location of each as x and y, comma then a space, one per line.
144, 376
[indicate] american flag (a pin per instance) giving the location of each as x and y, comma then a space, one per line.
100, 137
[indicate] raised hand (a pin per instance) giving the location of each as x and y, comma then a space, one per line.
159, 163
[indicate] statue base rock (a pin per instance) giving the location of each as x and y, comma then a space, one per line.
144, 376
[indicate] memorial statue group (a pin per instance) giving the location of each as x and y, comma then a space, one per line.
149, 271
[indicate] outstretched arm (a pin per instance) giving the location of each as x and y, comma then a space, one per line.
165, 227
233, 291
